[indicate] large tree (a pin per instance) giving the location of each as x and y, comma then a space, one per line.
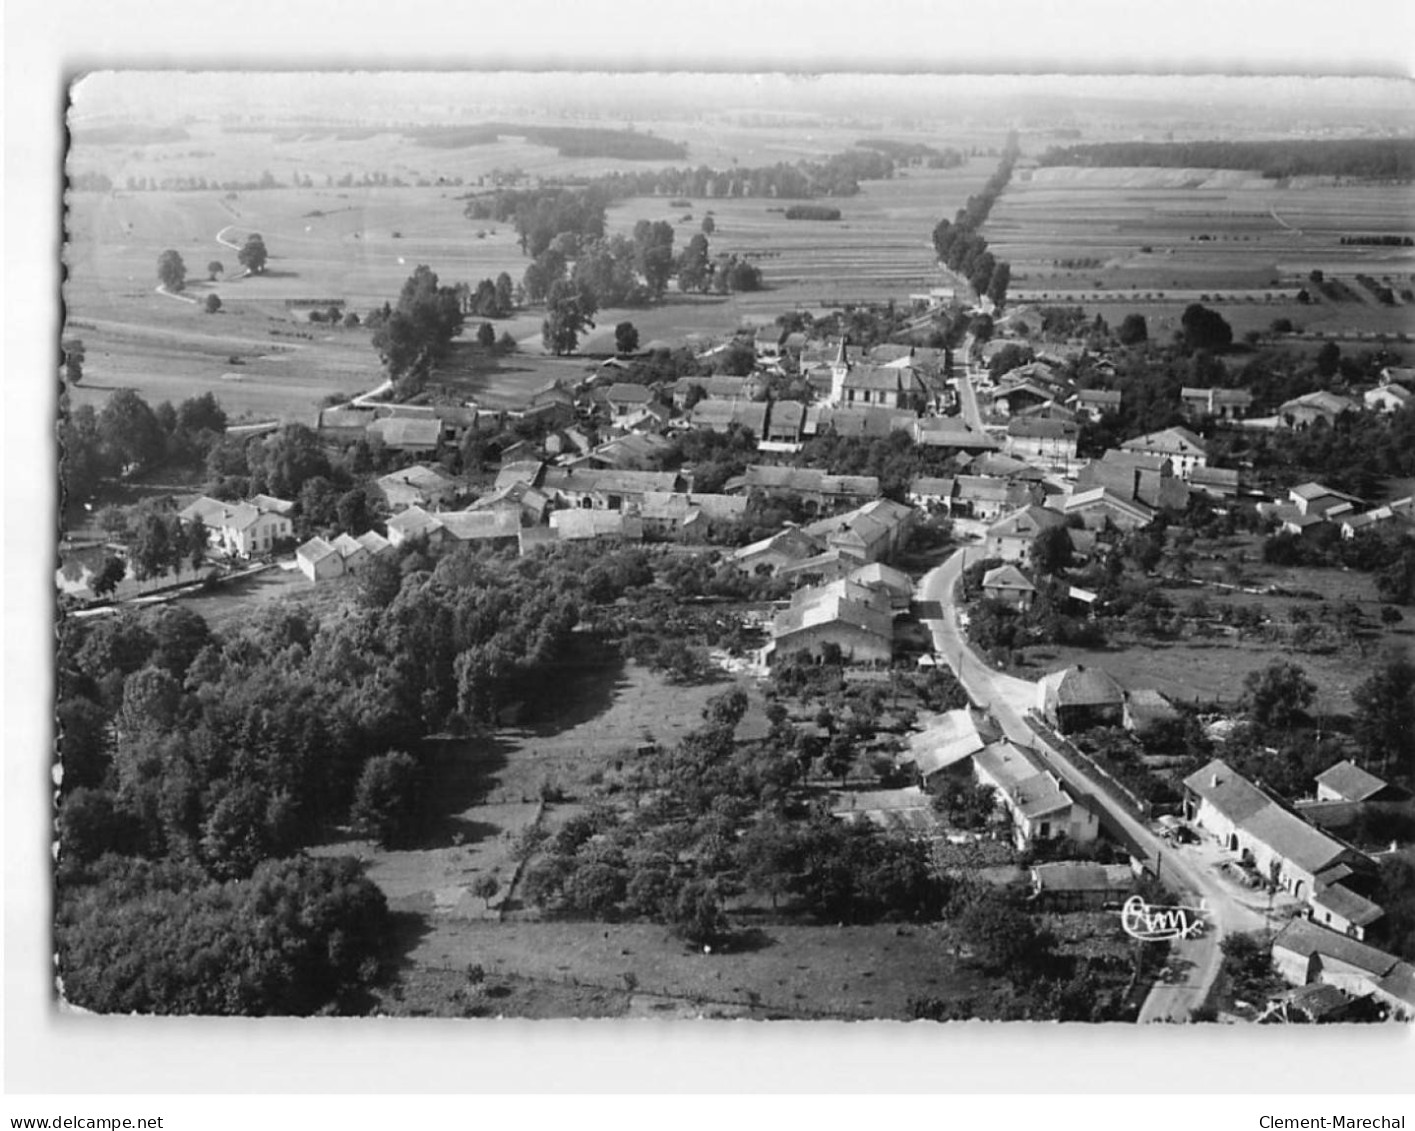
171, 271
418, 332
388, 803
130, 432
1385, 712
1278, 695
1205, 329
253, 255
570, 310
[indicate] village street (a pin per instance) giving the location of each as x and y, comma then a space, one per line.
1195, 963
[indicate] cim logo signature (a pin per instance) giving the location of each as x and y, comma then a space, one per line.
1160, 924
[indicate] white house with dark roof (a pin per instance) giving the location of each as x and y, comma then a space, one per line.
1096, 403
1276, 842
1008, 584
242, 529
1037, 802
1011, 538
1222, 404
1184, 450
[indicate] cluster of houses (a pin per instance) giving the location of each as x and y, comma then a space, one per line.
963, 744
1294, 848
1313, 508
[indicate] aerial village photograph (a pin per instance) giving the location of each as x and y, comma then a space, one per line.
703, 546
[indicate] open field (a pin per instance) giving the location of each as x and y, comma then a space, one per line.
793, 971
1213, 669
1226, 237
359, 244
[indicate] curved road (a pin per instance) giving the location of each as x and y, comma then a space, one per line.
1195, 960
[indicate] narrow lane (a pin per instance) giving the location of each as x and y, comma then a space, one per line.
1197, 960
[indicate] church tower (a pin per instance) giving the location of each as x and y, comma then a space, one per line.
839, 368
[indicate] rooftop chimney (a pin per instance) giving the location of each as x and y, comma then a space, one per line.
1213, 781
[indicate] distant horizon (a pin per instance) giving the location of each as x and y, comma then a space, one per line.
454, 97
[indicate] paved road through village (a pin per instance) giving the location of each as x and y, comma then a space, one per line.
1195, 962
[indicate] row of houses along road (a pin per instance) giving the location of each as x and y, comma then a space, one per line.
1010, 699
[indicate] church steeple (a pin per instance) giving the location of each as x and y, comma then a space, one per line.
839, 369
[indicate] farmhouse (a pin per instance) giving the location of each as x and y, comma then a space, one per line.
480, 526
987, 497
345, 422
1217, 482
1146, 707
374, 543
723, 387
1304, 954
1137, 477
242, 529
625, 399
527, 501
1273, 840
1051, 440
842, 615
1015, 397
946, 744
810, 484
607, 489
417, 486
1008, 584
784, 548
1099, 508
1096, 403
318, 560
829, 566
722, 416
352, 552
407, 434
785, 422
1039, 807
666, 515
1221, 404
1011, 538
1184, 450
895, 584
1347, 781
596, 526
1079, 698
1319, 499
1301, 412
931, 492
414, 523
881, 386
952, 432
871, 532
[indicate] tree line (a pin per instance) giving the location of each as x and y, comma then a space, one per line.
959, 243
1367, 158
